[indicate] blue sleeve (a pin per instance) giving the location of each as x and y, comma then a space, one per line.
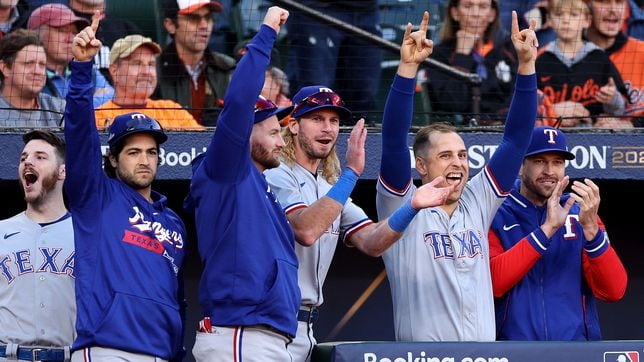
84, 159
506, 161
228, 156
394, 162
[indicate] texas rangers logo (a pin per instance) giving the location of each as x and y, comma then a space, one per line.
161, 234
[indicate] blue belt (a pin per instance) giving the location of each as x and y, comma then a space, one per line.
36, 354
308, 315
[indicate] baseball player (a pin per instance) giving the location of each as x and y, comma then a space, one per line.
130, 244
315, 197
550, 254
248, 289
439, 270
37, 306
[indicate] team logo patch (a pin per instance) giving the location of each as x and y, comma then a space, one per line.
627, 356
143, 241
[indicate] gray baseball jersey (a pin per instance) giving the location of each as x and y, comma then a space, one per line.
295, 188
37, 298
439, 270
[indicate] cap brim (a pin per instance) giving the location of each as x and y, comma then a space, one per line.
344, 113
567, 155
159, 135
279, 112
215, 6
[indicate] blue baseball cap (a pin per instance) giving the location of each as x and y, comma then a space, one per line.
265, 108
131, 123
314, 97
548, 139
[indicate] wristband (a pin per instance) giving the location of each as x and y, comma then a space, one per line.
342, 189
400, 219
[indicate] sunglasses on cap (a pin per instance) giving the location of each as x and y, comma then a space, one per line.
263, 104
320, 99
142, 124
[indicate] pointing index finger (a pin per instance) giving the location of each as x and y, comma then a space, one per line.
96, 19
515, 23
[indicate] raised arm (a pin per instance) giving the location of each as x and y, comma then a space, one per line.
506, 161
84, 162
228, 156
395, 171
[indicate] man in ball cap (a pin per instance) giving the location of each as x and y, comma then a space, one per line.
189, 72
550, 255
248, 291
130, 245
133, 67
57, 25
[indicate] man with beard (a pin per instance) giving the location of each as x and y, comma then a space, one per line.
314, 193
134, 72
189, 73
131, 245
550, 255
37, 306
439, 270
248, 290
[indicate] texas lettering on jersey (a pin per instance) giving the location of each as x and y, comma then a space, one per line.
442, 244
47, 260
161, 233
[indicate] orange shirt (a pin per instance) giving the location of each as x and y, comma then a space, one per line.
629, 61
167, 112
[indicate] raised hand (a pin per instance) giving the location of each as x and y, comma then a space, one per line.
586, 194
525, 44
355, 156
85, 45
556, 214
276, 17
415, 48
429, 195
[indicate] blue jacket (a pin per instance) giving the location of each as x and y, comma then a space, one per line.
128, 250
552, 302
245, 240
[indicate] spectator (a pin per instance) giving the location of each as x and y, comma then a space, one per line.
472, 41
112, 29
12, 16
248, 290
134, 72
130, 244
189, 73
276, 87
56, 25
37, 305
322, 54
627, 53
22, 67
439, 269
315, 195
635, 19
549, 254
577, 76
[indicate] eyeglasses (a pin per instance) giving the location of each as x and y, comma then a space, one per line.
263, 104
319, 99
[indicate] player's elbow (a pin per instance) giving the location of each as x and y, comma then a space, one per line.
305, 237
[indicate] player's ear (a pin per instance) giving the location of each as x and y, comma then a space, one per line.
421, 166
62, 172
113, 160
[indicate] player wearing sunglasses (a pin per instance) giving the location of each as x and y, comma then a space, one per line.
314, 191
